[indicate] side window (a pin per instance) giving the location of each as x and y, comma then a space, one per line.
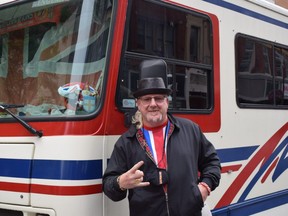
261, 69
183, 39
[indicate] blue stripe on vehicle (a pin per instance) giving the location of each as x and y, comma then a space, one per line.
19, 168
235, 154
247, 12
254, 205
67, 170
51, 169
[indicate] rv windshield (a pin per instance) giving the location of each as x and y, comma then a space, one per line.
53, 56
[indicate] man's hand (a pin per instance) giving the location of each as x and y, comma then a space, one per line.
204, 192
133, 178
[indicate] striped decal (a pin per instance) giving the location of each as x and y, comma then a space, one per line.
66, 190
81, 170
67, 170
51, 170
14, 187
271, 156
51, 189
17, 168
234, 155
248, 12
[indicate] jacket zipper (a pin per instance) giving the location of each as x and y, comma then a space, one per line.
151, 158
165, 191
166, 199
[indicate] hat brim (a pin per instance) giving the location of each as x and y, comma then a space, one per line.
142, 92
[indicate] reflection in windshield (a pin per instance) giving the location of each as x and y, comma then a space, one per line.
52, 56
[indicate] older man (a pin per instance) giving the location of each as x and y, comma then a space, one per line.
158, 159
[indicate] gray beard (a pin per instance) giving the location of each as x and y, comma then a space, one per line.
157, 120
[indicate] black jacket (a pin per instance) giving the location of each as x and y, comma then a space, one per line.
188, 151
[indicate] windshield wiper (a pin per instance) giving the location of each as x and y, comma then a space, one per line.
22, 122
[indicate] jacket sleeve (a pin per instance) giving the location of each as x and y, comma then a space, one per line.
209, 162
115, 167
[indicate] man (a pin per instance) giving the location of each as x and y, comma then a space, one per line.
158, 160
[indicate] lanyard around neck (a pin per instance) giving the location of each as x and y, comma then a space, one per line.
151, 146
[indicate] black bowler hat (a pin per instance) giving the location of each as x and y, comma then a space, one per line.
153, 78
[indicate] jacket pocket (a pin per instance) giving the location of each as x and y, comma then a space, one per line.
198, 197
